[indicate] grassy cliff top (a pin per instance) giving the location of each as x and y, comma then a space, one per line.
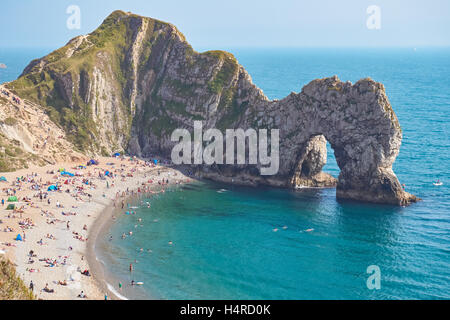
11, 286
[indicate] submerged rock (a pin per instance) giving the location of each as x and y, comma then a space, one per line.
131, 82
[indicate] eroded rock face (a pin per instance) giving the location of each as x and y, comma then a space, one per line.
131, 96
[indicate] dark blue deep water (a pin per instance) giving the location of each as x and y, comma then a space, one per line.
224, 244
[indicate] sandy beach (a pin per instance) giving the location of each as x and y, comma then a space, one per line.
61, 227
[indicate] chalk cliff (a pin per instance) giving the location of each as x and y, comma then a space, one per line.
130, 83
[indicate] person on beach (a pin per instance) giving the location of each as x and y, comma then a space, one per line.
31, 287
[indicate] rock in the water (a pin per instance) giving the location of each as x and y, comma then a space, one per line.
134, 80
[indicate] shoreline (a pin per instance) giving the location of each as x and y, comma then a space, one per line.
102, 225
96, 268
60, 253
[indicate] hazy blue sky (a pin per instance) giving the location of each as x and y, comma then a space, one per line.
238, 23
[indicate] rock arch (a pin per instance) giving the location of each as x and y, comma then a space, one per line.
359, 123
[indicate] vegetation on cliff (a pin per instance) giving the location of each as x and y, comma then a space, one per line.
63, 81
11, 286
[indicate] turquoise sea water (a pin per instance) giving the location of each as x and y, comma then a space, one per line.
224, 246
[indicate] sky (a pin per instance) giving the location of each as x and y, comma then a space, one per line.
211, 24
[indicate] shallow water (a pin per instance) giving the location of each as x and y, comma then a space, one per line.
225, 246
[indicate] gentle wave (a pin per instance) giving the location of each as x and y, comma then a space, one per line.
118, 295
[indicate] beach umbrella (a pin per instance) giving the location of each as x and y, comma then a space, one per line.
11, 207
19, 237
3, 179
61, 170
12, 199
117, 154
52, 188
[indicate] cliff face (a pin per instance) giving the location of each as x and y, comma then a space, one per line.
131, 82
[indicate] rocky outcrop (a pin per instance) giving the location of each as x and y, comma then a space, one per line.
130, 83
29, 137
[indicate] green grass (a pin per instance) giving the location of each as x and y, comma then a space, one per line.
11, 286
224, 76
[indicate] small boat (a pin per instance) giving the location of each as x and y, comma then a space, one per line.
438, 183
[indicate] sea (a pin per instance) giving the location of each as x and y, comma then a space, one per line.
207, 240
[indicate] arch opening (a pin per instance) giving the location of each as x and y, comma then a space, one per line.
311, 161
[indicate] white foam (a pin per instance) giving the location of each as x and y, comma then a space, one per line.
118, 295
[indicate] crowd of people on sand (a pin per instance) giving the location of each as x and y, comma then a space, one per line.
35, 191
